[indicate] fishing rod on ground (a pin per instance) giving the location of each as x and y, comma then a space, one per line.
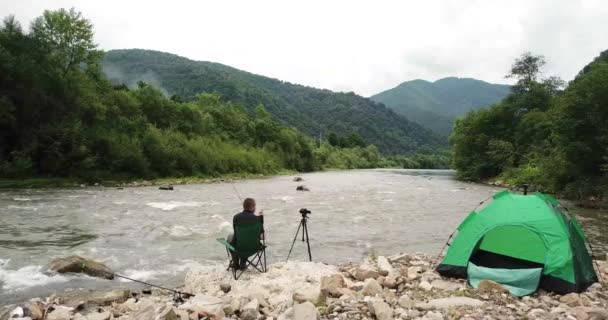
178, 296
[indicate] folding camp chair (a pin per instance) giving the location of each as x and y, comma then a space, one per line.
248, 247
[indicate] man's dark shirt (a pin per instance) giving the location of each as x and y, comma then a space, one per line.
244, 217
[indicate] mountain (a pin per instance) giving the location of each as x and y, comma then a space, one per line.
436, 105
310, 110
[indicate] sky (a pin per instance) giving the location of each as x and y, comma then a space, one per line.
361, 46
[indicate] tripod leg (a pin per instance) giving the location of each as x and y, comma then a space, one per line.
307, 240
294, 241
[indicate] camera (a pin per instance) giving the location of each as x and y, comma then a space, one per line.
304, 211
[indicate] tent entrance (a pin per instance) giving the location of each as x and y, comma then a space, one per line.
511, 255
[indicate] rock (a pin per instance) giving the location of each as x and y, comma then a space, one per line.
205, 305
580, 313
233, 306
302, 188
60, 313
225, 287
76, 264
34, 311
371, 288
434, 315
536, 313
313, 295
146, 313
251, 310
102, 316
103, 298
425, 285
167, 187
489, 287
384, 266
406, 302
572, 300
362, 273
305, 311
298, 179
331, 285
598, 314
391, 282
446, 285
380, 309
451, 302
413, 272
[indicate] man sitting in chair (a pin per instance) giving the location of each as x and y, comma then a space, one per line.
248, 216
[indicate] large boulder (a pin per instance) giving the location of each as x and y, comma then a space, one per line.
331, 285
76, 264
384, 266
380, 309
305, 311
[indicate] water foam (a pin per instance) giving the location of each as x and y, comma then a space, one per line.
26, 277
168, 206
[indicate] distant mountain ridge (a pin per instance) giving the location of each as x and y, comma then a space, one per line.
310, 110
436, 105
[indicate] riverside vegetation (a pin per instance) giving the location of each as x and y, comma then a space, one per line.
61, 117
553, 137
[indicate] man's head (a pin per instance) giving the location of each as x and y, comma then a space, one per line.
249, 205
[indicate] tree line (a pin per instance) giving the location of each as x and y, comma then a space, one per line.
61, 117
545, 133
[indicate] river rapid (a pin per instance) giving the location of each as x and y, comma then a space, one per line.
156, 236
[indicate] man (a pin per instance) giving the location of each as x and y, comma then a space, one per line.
247, 216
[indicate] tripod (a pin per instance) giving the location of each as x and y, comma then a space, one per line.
304, 226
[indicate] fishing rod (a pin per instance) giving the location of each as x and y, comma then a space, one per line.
178, 296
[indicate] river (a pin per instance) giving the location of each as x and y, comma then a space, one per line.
156, 236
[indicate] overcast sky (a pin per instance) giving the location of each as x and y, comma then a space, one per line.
361, 46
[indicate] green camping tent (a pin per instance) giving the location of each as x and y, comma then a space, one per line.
525, 242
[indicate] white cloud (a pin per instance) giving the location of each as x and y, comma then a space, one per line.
361, 46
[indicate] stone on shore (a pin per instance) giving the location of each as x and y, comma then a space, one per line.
380, 309
60, 313
450, 302
371, 288
77, 264
489, 287
311, 294
365, 272
205, 305
384, 266
446, 285
251, 310
331, 285
305, 311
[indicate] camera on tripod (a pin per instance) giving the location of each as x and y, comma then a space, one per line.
304, 227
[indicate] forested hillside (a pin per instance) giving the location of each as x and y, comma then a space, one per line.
61, 117
553, 137
436, 105
312, 111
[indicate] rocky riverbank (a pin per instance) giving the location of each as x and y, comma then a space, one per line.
398, 287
